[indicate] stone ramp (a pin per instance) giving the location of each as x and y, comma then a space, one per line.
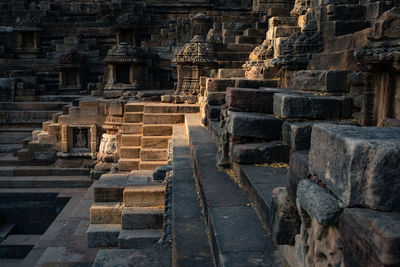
237, 235
190, 242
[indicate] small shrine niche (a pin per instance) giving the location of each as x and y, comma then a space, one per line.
194, 60
27, 35
79, 140
126, 29
125, 68
70, 70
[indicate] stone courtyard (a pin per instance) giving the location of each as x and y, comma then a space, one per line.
199, 133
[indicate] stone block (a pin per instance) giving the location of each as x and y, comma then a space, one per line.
256, 125
105, 213
103, 235
230, 73
285, 221
216, 98
116, 109
360, 165
259, 153
157, 130
142, 218
298, 134
321, 80
246, 83
213, 112
218, 85
370, 238
144, 196
298, 170
318, 202
250, 100
291, 105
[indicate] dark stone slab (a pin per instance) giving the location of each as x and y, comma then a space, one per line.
238, 230
298, 170
318, 202
258, 153
250, 100
370, 238
245, 83
360, 165
291, 105
256, 125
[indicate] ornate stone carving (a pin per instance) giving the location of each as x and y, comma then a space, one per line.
195, 58
124, 53
301, 7
296, 51
384, 52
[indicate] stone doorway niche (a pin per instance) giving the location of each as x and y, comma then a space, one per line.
71, 78
79, 140
27, 35
122, 73
126, 36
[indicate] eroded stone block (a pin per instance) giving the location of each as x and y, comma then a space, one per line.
318, 202
360, 165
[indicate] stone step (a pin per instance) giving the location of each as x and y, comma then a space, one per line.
131, 139
138, 239
249, 39
18, 240
151, 165
126, 164
142, 218
44, 181
110, 187
32, 106
254, 32
103, 235
130, 152
113, 257
144, 196
163, 118
133, 117
157, 130
259, 183
105, 213
42, 171
154, 154
134, 107
5, 230
171, 108
25, 116
155, 141
132, 128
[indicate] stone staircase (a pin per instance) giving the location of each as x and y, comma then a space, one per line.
127, 212
146, 131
